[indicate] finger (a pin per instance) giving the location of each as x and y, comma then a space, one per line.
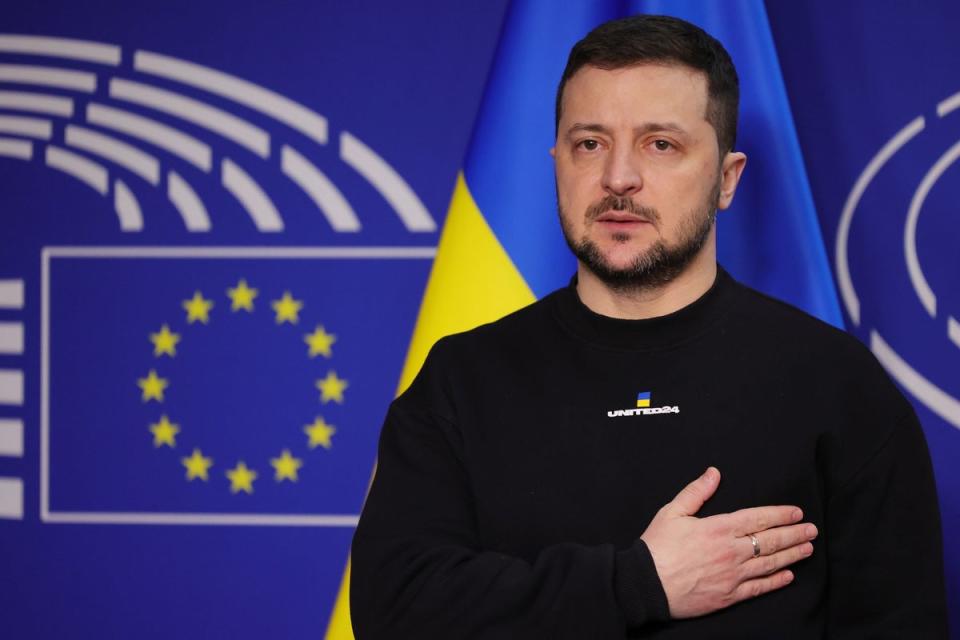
779, 538
692, 497
768, 565
760, 586
747, 521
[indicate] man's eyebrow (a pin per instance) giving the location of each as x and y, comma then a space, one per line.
647, 127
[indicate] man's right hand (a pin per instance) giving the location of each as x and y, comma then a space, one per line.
706, 564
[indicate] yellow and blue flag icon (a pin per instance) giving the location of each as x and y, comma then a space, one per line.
501, 246
643, 399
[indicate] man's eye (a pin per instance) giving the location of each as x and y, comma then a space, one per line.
590, 145
662, 145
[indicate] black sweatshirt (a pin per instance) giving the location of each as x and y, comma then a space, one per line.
517, 472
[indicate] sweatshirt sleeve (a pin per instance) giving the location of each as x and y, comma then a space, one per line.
884, 545
419, 570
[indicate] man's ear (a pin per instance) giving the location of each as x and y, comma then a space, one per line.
731, 168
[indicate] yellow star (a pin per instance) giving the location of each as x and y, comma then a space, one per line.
164, 432
198, 308
320, 342
286, 466
241, 478
164, 342
331, 388
319, 433
152, 386
197, 466
241, 296
287, 308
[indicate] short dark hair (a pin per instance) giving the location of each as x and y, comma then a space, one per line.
663, 40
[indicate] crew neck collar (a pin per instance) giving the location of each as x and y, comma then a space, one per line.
649, 333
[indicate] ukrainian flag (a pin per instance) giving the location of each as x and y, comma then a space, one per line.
501, 247
643, 399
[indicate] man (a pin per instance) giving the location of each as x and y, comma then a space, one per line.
526, 483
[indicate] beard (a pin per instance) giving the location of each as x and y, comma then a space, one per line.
655, 266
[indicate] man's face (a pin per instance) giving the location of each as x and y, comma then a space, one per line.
638, 168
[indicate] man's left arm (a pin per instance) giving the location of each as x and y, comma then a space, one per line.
884, 544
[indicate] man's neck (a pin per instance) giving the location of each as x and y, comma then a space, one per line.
644, 303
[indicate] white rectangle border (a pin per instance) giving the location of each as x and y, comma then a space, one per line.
187, 518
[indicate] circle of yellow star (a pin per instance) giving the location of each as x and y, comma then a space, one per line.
198, 308
152, 386
164, 342
286, 466
320, 342
241, 296
241, 478
197, 465
331, 388
319, 433
287, 309
164, 432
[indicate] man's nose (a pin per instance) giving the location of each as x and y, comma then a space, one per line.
621, 175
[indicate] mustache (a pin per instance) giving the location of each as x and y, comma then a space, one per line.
622, 203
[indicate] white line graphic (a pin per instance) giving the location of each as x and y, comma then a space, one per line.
919, 281
11, 338
234, 519
11, 386
82, 169
11, 498
388, 182
185, 199
49, 77
948, 105
127, 207
287, 111
11, 294
166, 137
873, 167
261, 209
953, 330
30, 127
938, 401
321, 190
14, 148
11, 438
37, 102
271, 253
85, 50
217, 120
125, 155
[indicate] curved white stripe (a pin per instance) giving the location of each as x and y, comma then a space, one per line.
41, 103
321, 190
873, 167
30, 127
127, 156
291, 113
251, 196
217, 120
920, 284
79, 167
388, 182
49, 77
948, 105
185, 199
127, 207
937, 400
86, 50
953, 330
14, 148
176, 142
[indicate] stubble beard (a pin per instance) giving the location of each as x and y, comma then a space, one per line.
657, 265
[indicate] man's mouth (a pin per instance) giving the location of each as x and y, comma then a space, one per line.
622, 218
